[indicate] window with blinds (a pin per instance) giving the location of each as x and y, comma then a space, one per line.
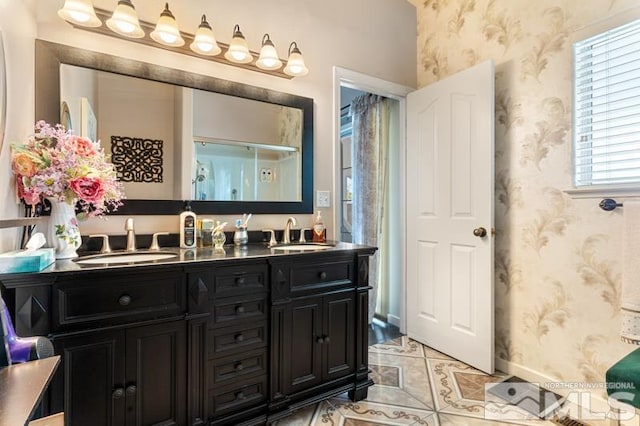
606, 127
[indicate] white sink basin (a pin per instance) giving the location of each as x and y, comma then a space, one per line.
302, 247
111, 258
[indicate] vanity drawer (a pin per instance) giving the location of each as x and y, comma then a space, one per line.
320, 275
228, 340
244, 364
237, 396
233, 310
117, 298
233, 280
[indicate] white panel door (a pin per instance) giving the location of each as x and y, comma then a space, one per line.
450, 150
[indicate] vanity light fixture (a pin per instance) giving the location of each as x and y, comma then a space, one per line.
238, 50
167, 31
204, 41
268, 59
166, 35
80, 12
124, 20
295, 64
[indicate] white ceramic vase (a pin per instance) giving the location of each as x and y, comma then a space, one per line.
63, 232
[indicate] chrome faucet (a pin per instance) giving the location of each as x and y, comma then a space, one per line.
286, 238
131, 235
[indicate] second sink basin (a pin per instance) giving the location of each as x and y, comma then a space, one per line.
128, 257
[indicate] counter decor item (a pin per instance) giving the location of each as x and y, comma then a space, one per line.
72, 173
219, 237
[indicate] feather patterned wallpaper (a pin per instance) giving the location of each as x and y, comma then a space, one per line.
557, 263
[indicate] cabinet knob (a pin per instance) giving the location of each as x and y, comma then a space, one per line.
240, 310
239, 337
322, 275
240, 280
240, 396
320, 339
124, 300
131, 390
239, 366
117, 393
327, 339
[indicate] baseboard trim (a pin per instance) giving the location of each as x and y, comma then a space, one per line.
393, 320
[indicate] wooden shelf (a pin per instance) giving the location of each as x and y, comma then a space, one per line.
20, 222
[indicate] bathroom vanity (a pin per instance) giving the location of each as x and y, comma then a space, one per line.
242, 337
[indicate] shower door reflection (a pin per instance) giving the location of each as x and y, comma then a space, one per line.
243, 171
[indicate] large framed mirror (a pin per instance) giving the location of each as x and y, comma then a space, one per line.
228, 147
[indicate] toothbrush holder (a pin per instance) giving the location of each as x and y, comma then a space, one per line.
240, 237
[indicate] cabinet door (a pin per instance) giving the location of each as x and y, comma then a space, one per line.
339, 318
303, 344
155, 385
89, 384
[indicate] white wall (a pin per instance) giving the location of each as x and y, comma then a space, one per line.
376, 37
19, 30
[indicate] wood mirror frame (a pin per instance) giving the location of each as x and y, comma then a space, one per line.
49, 56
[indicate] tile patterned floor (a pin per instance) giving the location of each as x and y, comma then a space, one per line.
415, 385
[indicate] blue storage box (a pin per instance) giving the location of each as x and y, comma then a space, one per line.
26, 260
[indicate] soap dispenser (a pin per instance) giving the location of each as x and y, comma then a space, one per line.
187, 227
319, 230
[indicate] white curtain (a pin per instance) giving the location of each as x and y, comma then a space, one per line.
370, 120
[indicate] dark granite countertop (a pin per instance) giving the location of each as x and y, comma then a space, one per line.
188, 257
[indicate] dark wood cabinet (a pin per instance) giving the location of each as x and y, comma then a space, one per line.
220, 342
319, 335
126, 377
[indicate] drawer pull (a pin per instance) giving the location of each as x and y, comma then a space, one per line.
239, 337
322, 275
239, 366
131, 390
124, 300
240, 310
240, 396
117, 393
240, 281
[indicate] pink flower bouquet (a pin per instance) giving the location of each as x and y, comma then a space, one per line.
57, 165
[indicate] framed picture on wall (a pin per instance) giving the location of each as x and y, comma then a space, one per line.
88, 122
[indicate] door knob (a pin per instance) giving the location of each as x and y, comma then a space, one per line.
480, 232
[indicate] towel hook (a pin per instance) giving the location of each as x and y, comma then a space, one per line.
609, 204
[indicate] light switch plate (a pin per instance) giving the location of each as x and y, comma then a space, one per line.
323, 198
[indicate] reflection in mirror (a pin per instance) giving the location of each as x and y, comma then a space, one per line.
154, 121
3, 92
150, 154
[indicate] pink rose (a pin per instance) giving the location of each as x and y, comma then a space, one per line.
83, 146
89, 189
28, 195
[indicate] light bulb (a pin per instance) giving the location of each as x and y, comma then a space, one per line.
295, 64
166, 31
268, 59
204, 42
79, 12
238, 50
124, 20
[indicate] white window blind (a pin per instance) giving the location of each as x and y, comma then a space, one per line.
606, 127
